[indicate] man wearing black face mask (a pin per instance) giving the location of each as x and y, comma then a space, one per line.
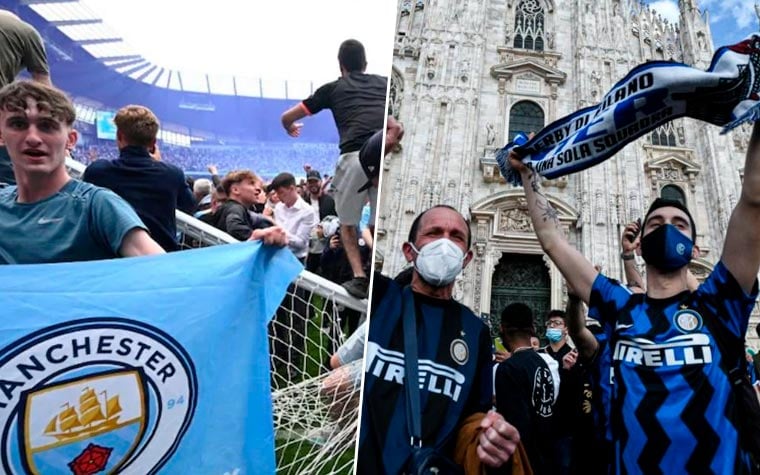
672, 409
453, 353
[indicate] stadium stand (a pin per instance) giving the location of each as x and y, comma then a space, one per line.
233, 123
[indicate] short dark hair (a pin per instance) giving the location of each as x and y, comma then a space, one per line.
517, 321
517, 315
757, 329
351, 56
557, 313
416, 224
282, 180
665, 203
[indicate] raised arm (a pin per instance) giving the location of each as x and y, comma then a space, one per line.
290, 116
576, 269
741, 253
576, 327
629, 242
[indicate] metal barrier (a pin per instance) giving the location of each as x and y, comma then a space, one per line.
315, 410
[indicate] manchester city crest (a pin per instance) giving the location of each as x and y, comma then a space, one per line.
687, 320
96, 423
92, 396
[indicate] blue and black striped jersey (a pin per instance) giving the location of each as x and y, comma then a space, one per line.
672, 404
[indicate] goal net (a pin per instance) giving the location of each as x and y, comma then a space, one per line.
315, 409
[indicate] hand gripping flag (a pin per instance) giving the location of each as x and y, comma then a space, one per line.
140, 366
651, 95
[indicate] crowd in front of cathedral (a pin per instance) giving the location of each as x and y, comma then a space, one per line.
645, 376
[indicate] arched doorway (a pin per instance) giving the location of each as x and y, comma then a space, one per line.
521, 278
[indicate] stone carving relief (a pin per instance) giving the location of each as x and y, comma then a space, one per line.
478, 274
514, 220
741, 136
634, 211
601, 207
670, 173
395, 94
679, 169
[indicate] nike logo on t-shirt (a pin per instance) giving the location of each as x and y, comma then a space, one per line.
49, 220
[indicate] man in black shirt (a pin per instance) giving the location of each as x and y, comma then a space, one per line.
525, 388
155, 189
454, 354
233, 217
357, 101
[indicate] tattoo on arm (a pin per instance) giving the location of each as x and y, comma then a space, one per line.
549, 213
534, 183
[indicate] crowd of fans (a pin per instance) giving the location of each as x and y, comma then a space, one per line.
268, 158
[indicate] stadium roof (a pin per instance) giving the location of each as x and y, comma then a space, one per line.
84, 27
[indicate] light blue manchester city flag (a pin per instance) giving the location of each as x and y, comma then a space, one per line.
142, 365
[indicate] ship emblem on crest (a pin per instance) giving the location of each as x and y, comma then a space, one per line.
100, 395
100, 421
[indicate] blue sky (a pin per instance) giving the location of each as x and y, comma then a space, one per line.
730, 20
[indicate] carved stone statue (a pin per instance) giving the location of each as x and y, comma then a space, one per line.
406, 7
596, 81
550, 40
431, 66
490, 134
464, 70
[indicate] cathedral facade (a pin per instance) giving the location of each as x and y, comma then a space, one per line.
469, 74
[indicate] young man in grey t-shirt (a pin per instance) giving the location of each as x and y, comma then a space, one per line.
49, 217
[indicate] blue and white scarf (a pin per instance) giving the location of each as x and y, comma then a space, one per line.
649, 96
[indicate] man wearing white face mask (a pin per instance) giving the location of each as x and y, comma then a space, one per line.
453, 354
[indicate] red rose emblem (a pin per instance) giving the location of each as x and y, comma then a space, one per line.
93, 459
